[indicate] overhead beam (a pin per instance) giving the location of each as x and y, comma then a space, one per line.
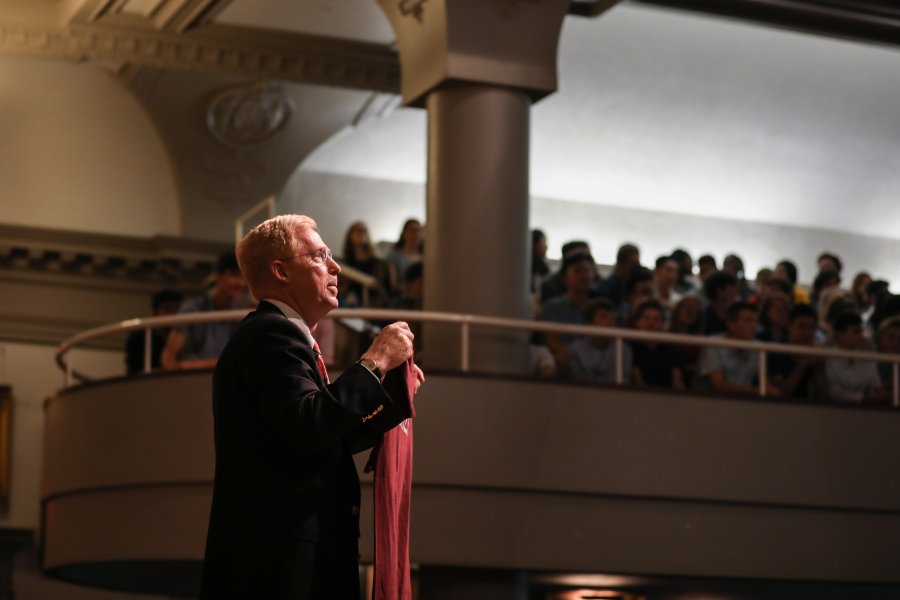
219, 48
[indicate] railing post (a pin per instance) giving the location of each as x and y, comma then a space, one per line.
148, 349
620, 362
365, 296
464, 345
762, 373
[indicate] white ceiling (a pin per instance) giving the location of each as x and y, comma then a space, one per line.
677, 112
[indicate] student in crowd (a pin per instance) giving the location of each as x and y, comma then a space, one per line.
579, 272
774, 315
761, 286
628, 260
888, 342
164, 302
594, 358
734, 264
706, 266
638, 288
198, 346
721, 289
654, 364
859, 291
686, 283
794, 374
829, 263
730, 370
850, 380
666, 275
554, 285
406, 251
785, 269
687, 319
539, 269
822, 284
359, 254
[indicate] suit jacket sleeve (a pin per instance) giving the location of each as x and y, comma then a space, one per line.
280, 368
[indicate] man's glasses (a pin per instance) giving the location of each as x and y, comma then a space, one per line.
318, 258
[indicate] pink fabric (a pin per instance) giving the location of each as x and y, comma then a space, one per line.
393, 479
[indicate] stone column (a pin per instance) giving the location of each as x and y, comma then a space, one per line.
477, 66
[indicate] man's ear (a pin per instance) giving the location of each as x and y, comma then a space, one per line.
277, 268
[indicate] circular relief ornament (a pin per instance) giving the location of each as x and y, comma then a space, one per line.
249, 115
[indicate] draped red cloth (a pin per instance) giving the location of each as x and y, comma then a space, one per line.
393, 460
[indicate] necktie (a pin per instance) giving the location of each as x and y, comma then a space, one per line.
320, 363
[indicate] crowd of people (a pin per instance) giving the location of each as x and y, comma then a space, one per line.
675, 295
718, 302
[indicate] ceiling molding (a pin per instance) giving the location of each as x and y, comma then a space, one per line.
224, 49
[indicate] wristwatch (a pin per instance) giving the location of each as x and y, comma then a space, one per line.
372, 367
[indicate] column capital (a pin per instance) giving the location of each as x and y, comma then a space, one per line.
511, 43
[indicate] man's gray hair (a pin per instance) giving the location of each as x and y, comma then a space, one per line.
270, 240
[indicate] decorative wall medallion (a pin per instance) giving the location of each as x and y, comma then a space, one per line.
249, 115
414, 8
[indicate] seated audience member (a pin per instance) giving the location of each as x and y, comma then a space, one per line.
594, 358
579, 272
859, 292
706, 266
628, 260
539, 269
164, 302
732, 370
553, 285
788, 270
794, 374
888, 341
777, 285
887, 305
734, 264
198, 346
638, 288
721, 290
654, 364
687, 319
686, 283
847, 379
406, 251
359, 254
413, 285
774, 313
666, 276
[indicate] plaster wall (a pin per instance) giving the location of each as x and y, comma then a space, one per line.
77, 152
337, 200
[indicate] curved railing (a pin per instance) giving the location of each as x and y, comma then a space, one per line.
467, 322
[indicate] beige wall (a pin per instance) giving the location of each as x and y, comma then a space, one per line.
77, 152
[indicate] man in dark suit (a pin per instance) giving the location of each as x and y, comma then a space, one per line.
285, 511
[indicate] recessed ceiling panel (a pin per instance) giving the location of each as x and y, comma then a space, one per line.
360, 20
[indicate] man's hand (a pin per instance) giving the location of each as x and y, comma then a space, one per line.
392, 346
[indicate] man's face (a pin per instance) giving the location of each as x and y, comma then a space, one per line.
311, 284
579, 277
802, 331
706, 269
744, 327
